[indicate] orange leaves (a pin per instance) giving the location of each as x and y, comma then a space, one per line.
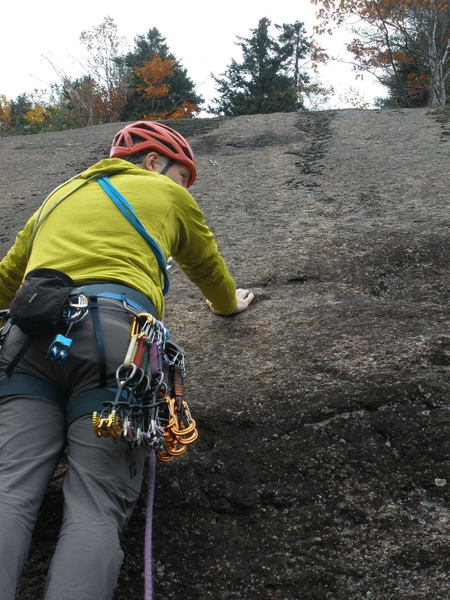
369, 54
154, 74
416, 82
185, 111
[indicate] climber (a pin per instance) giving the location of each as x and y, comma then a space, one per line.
78, 250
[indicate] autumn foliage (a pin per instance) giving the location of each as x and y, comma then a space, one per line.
405, 43
36, 115
112, 82
154, 74
5, 113
185, 111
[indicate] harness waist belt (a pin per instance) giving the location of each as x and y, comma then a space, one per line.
117, 291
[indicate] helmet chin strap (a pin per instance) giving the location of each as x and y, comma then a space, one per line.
167, 166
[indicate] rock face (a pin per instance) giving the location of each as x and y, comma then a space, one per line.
320, 472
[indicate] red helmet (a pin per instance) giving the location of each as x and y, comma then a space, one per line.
150, 135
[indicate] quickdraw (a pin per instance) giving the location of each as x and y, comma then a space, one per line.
5, 325
149, 408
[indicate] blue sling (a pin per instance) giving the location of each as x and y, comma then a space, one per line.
129, 213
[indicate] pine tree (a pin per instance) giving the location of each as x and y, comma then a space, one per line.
269, 78
18, 109
297, 47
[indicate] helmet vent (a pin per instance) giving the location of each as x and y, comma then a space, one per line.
169, 146
137, 139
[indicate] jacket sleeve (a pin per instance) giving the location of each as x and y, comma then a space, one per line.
13, 265
199, 257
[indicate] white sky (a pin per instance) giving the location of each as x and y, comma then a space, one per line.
201, 34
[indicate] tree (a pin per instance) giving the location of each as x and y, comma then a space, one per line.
269, 78
158, 84
36, 115
155, 75
98, 96
297, 47
104, 72
5, 113
408, 87
148, 82
28, 113
398, 33
19, 108
83, 102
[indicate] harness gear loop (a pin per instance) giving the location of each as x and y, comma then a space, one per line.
149, 407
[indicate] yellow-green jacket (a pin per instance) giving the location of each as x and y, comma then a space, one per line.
87, 237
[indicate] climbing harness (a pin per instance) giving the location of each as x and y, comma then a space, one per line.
149, 408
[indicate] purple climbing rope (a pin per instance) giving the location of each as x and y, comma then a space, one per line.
148, 558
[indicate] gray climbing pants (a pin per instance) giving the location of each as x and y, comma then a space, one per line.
103, 480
